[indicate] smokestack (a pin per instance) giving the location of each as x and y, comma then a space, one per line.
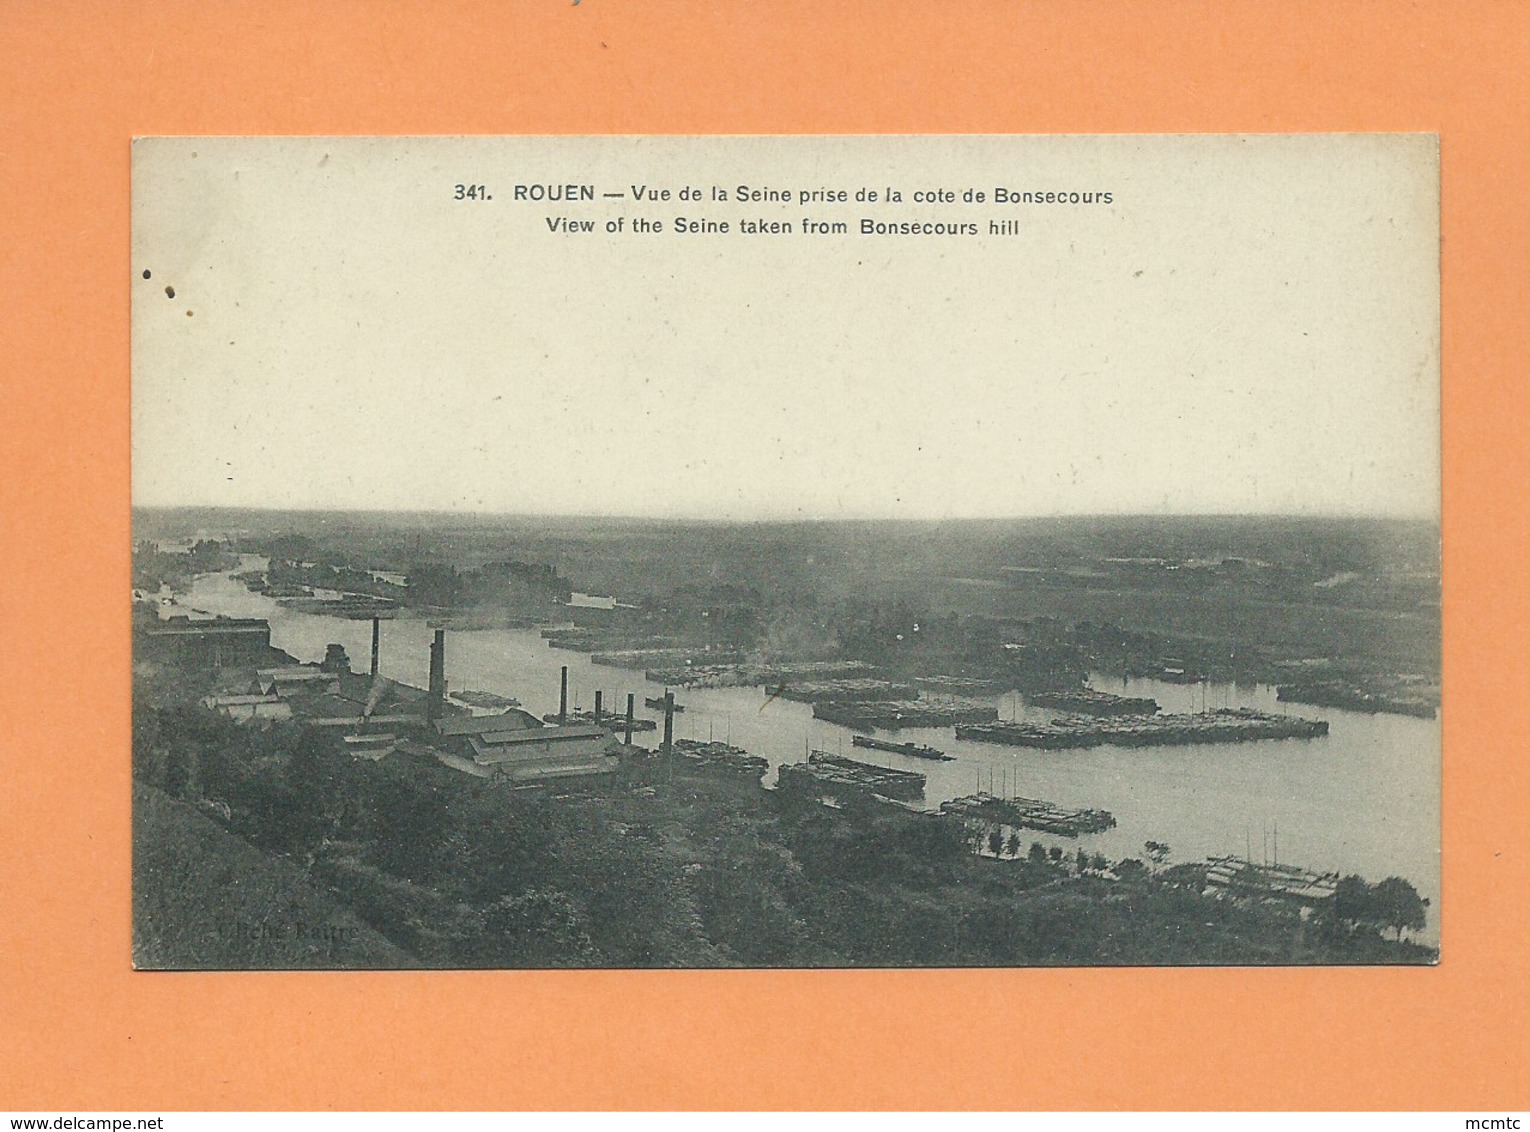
437, 697
598, 696
630, 699
669, 722
376, 641
563, 697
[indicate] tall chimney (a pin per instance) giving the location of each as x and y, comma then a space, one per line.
630, 699
669, 722
437, 695
563, 697
376, 642
598, 696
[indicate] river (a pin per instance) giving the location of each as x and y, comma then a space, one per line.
1365, 799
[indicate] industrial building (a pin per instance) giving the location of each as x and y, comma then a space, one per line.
214, 641
377, 716
516, 746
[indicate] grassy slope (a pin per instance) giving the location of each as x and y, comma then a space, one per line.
204, 899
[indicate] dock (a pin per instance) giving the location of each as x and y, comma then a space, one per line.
1225, 725
1030, 813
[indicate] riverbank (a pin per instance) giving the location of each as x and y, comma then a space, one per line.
665, 862
1364, 799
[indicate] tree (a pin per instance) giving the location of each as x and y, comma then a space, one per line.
289, 546
1397, 904
496, 846
408, 823
996, 842
1156, 851
433, 584
1350, 905
537, 928
1130, 869
1188, 874
1038, 853
316, 775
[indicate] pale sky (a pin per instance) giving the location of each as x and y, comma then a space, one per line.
1251, 325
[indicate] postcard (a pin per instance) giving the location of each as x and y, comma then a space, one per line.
786, 552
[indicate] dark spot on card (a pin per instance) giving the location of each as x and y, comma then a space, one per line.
169, 292
147, 274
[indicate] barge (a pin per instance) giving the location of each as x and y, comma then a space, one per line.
1029, 813
848, 780
1352, 698
1087, 701
910, 749
608, 720
670, 657
1241, 878
959, 685
484, 703
1225, 725
890, 715
860, 690
722, 756
715, 674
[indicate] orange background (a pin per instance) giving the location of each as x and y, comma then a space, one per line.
83, 1032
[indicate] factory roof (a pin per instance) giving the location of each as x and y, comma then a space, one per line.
513, 720
542, 735
295, 672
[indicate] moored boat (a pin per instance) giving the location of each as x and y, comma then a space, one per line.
912, 749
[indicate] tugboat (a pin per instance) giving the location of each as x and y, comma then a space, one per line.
657, 703
900, 748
